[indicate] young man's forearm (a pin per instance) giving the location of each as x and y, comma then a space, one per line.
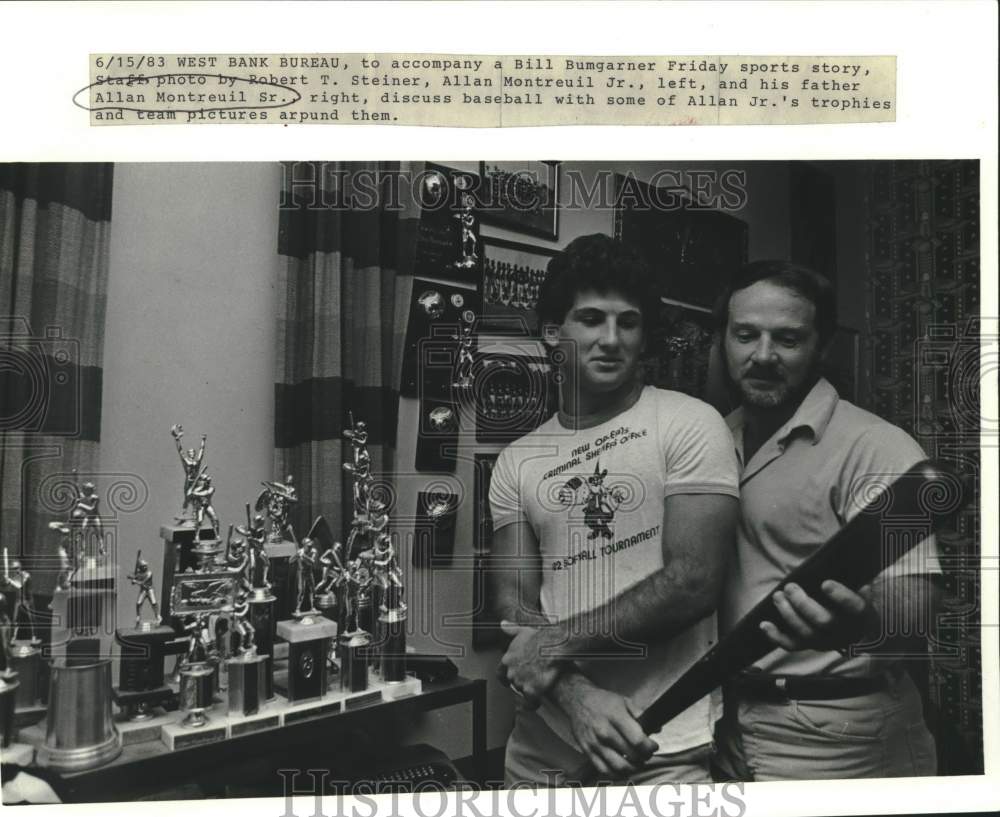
654, 609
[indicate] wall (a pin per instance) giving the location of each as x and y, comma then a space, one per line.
190, 339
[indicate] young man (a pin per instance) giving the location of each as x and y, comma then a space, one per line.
614, 522
809, 462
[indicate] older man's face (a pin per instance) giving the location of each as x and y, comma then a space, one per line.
771, 345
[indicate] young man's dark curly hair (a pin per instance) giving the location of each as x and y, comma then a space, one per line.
596, 263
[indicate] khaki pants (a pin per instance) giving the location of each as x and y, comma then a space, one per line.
882, 734
535, 754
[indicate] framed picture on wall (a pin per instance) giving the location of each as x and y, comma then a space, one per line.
679, 347
512, 275
521, 196
690, 249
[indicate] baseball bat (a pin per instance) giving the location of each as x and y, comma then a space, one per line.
915, 505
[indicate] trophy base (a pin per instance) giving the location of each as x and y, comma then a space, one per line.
246, 684
354, 648
394, 690
195, 719
8, 691
179, 736
261, 595
85, 757
245, 724
309, 643
138, 705
143, 731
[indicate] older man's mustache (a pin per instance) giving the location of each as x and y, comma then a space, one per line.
763, 373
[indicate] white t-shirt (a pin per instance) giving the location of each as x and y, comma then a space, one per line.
594, 499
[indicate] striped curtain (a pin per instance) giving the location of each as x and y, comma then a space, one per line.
346, 239
55, 222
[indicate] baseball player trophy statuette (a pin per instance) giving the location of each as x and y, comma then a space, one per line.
142, 649
24, 655
308, 633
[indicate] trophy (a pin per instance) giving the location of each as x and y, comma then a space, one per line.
248, 557
276, 501
142, 651
197, 596
308, 634
191, 462
247, 670
392, 611
372, 568
467, 223
84, 517
190, 545
197, 683
8, 679
83, 603
24, 654
463, 367
355, 641
80, 732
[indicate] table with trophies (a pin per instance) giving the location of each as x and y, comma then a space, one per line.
213, 660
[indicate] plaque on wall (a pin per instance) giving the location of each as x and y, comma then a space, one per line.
438, 312
444, 229
437, 436
434, 529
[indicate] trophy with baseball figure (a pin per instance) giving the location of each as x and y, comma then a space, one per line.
247, 671
275, 542
142, 650
276, 500
248, 554
372, 570
355, 640
24, 654
189, 543
392, 610
308, 633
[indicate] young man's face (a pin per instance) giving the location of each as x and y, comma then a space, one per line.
602, 340
771, 344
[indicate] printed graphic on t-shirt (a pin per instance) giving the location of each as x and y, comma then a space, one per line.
599, 500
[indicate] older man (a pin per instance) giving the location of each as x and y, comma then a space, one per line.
815, 707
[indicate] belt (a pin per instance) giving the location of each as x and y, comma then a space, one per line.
765, 687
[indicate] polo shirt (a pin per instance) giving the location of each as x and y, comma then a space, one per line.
804, 484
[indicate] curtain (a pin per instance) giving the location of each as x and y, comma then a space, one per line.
55, 222
346, 239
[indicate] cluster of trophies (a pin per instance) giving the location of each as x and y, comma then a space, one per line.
337, 591
217, 614
511, 284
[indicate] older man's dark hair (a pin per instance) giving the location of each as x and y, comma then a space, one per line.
808, 283
596, 263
